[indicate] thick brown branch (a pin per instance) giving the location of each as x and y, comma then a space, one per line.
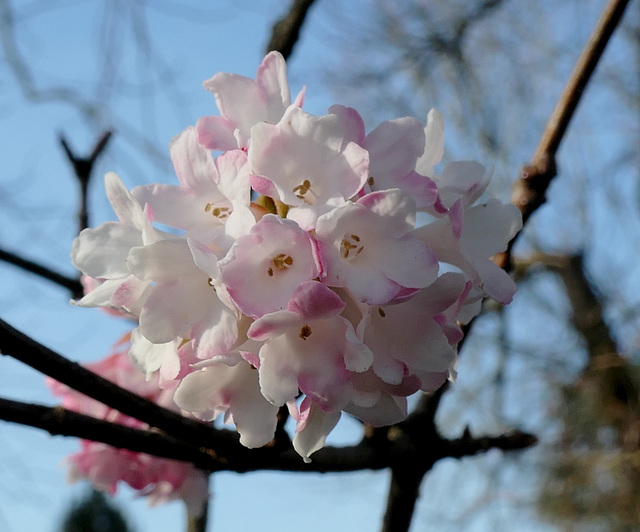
286, 31
414, 453
59, 421
365, 455
71, 284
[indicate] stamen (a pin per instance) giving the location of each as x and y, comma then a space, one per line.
302, 191
350, 244
219, 212
305, 332
282, 261
381, 312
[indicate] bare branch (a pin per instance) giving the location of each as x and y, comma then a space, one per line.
286, 31
19, 346
83, 169
529, 194
59, 421
365, 455
530, 190
70, 283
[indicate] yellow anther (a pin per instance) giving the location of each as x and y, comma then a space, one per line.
218, 212
282, 261
302, 190
347, 246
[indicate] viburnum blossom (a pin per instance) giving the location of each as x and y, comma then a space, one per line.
297, 274
105, 467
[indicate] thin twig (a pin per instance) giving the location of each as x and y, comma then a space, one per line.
70, 283
83, 170
530, 190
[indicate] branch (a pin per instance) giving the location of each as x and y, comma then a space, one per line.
59, 421
528, 195
19, 346
71, 284
467, 445
83, 169
286, 31
530, 190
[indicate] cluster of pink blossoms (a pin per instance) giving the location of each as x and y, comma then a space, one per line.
158, 479
321, 294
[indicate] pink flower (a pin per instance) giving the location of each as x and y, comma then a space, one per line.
101, 253
400, 151
183, 301
467, 239
310, 347
230, 388
264, 268
303, 162
107, 466
409, 338
209, 191
368, 248
244, 102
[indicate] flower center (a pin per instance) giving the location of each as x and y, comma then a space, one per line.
305, 192
218, 212
280, 262
305, 332
350, 247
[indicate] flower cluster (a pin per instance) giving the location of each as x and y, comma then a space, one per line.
158, 479
295, 273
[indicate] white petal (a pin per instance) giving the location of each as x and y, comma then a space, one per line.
126, 207
314, 434
434, 143
488, 228
162, 261
102, 252
193, 163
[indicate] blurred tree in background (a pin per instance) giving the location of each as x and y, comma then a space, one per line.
94, 513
